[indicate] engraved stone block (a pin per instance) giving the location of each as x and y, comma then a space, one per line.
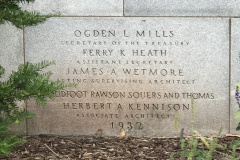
147, 76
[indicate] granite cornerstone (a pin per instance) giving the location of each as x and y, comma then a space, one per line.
148, 68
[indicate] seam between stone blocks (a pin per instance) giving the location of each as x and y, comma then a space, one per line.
230, 72
24, 61
124, 16
23, 45
123, 8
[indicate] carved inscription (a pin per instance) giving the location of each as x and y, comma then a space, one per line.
122, 64
145, 75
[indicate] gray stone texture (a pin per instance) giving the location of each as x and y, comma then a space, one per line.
235, 72
77, 7
11, 56
194, 52
11, 48
182, 8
